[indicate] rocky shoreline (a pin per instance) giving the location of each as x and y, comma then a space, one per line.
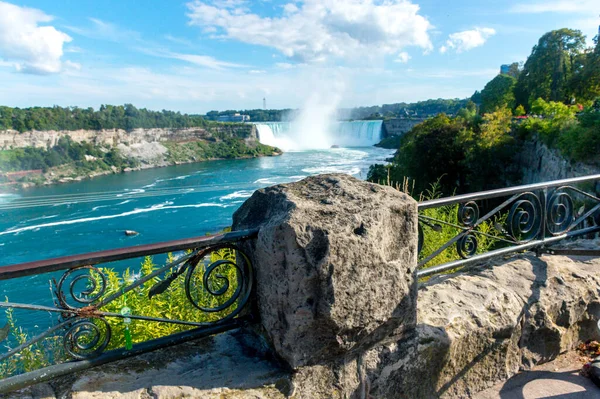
61, 175
142, 148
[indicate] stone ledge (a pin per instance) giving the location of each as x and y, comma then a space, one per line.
482, 327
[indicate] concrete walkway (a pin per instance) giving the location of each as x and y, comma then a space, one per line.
559, 379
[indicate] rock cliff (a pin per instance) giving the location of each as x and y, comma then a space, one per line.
538, 163
114, 137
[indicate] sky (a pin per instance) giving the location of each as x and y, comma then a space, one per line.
201, 55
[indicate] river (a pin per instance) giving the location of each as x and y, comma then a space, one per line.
161, 204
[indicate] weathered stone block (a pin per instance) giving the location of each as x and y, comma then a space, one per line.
480, 327
335, 261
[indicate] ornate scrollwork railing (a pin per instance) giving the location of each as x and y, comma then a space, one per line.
506, 220
213, 273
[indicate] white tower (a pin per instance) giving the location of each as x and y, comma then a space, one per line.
264, 103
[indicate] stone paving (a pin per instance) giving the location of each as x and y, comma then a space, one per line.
559, 379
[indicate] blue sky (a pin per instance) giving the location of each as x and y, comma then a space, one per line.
197, 56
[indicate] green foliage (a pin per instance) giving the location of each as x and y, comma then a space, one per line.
520, 111
391, 142
581, 141
106, 117
586, 75
38, 355
548, 71
466, 153
430, 150
65, 151
401, 110
378, 173
498, 93
514, 69
445, 217
556, 119
229, 148
172, 304
256, 115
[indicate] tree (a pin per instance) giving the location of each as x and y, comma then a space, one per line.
514, 69
498, 93
431, 151
476, 97
548, 70
520, 110
586, 75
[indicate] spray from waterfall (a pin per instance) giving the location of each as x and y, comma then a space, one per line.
314, 125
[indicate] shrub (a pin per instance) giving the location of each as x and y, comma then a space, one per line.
171, 304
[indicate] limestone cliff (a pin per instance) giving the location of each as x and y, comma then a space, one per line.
113, 137
142, 148
538, 163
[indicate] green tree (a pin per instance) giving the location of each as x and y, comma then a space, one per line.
498, 93
520, 110
430, 151
585, 81
549, 69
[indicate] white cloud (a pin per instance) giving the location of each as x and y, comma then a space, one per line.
178, 40
26, 45
467, 40
403, 57
560, 6
257, 71
102, 30
317, 30
203, 60
284, 65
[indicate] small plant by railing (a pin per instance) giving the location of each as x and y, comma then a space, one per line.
466, 229
103, 315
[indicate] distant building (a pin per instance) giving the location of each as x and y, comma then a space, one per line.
504, 69
234, 118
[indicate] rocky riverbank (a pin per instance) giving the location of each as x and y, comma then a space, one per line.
86, 154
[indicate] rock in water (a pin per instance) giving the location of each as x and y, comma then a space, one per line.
335, 260
131, 233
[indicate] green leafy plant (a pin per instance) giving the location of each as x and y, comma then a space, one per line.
171, 304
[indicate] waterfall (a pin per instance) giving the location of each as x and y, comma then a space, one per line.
341, 133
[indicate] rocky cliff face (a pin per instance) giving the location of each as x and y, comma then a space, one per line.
538, 163
113, 137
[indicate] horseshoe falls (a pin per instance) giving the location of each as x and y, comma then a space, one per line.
289, 136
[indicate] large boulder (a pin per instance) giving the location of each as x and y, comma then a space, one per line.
480, 327
335, 260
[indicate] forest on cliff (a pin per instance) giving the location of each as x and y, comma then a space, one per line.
554, 97
125, 117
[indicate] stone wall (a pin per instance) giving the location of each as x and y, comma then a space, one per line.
399, 126
113, 137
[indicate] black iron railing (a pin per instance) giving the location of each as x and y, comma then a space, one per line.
213, 275
466, 229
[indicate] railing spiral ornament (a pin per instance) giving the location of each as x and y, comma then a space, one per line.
560, 212
468, 213
86, 285
209, 289
466, 246
524, 221
87, 338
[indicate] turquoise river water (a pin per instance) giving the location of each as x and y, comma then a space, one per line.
161, 204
